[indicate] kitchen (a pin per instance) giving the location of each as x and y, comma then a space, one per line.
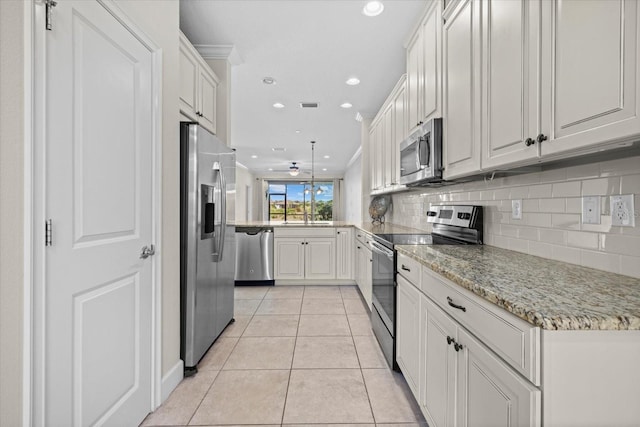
550, 195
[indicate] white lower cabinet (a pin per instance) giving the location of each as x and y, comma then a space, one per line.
408, 335
344, 253
464, 384
304, 253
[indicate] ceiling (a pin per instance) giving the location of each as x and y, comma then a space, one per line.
310, 47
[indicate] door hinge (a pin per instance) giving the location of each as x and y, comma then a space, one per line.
47, 233
49, 5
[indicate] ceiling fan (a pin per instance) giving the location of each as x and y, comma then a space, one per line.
294, 170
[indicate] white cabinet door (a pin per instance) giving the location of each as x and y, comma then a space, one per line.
344, 253
198, 87
289, 258
373, 157
414, 80
431, 91
511, 87
408, 332
208, 84
365, 264
437, 397
461, 90
399, 129
593, 73
387, 147
188, 82
320, 258
489, 393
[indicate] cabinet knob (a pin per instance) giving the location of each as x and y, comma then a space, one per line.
529, 142
449, 340
457, 346
541, 137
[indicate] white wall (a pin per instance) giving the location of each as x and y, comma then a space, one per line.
551, 222
352, 190
11, 209
160, 21
244, 191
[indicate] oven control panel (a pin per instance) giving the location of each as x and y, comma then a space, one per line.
457, 215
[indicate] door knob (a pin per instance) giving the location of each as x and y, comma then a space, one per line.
147, 251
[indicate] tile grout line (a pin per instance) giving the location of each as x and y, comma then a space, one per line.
295, 343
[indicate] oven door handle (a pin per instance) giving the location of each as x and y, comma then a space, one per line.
376, 247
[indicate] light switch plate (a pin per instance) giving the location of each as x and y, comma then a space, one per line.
591, 210
622, 211
516, 209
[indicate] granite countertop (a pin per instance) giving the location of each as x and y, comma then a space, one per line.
368, 227
550, 294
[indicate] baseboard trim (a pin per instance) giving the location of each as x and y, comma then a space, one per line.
171, 380
309, 282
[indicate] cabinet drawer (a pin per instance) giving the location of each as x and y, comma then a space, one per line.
304, 232
362, 237
409, 268
513, 339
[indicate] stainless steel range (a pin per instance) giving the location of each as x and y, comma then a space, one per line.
452, 225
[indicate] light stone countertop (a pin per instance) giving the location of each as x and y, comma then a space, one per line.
368, 227
550, 294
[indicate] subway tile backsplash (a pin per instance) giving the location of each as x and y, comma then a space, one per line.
551, 224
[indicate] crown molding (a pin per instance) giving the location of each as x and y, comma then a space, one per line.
355, 157
221, 51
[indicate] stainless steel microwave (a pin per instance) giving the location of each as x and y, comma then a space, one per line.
421, 155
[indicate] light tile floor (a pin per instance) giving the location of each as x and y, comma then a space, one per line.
296, 355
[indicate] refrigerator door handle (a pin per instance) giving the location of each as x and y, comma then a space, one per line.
222, 187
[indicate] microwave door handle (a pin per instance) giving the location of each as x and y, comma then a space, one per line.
424, 145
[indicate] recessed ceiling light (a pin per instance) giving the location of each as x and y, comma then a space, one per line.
327, 156
253, 156
324, 169
278, 105
270, 169
353, 81
269, 81
346, 105
298, 131
373, 8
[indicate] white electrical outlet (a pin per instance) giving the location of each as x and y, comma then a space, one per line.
591, 210
516, 209
622, 211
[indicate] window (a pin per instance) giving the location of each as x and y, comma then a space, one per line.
288, 201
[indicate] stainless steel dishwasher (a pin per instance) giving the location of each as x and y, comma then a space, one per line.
254, 255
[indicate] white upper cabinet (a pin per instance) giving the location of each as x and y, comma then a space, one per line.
198, 87
461, 89
592, 71
424, 59
511, 86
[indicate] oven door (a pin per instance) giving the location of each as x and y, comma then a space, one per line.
384, 293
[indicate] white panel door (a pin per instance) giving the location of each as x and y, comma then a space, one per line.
99, 160
388, 148
344, 253
594, 74
414, 80
511, 90
461, 90
432, 78
408, 332
320, 258
207, 93
188, 81
289, 258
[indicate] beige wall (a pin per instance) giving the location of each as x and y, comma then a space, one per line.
160, 21
11, 210
551, 222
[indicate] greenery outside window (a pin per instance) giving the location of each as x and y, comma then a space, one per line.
288, 201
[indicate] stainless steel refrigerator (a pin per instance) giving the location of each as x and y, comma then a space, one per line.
207, 240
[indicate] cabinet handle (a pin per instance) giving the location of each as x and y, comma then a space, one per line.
541, 137
450, 340
529, 142
457, 346
405, 268
459, 307
359, 247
